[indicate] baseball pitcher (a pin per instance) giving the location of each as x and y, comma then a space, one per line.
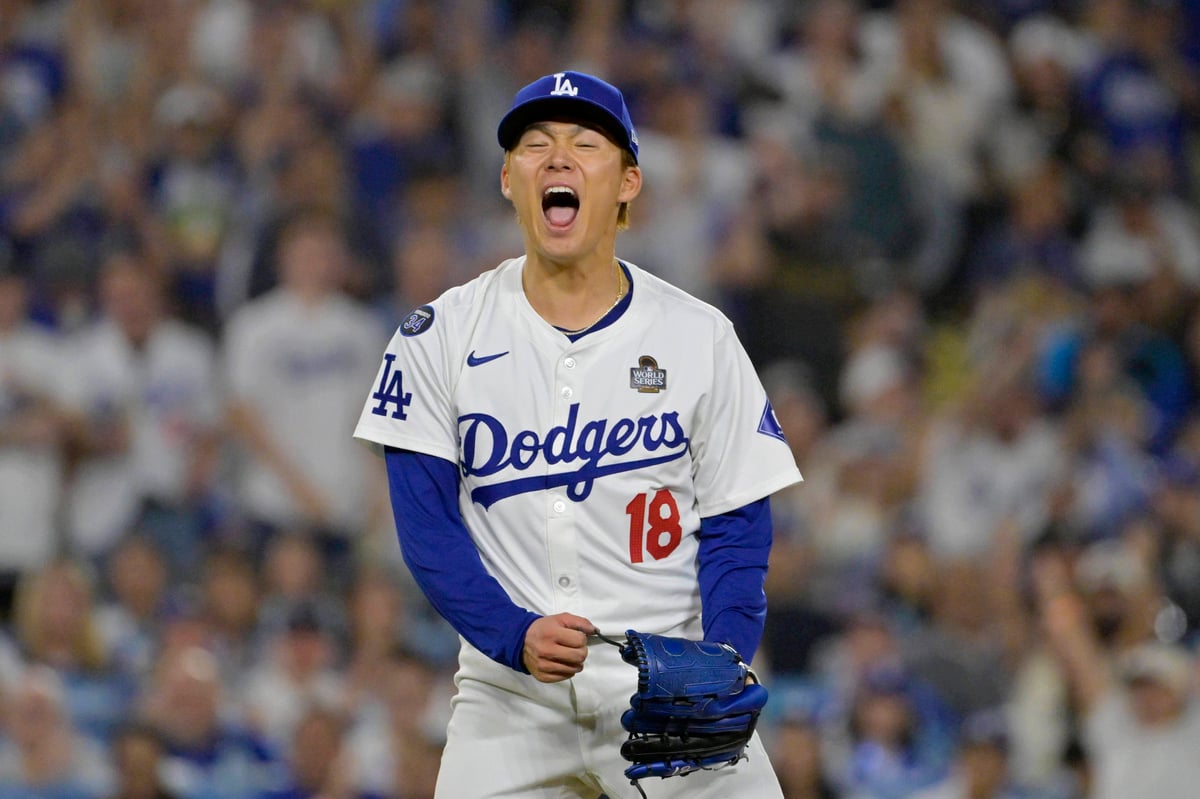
580, 454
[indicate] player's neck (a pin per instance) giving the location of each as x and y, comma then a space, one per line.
573, 296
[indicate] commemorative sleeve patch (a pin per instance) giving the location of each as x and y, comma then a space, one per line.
646, 377
417, 322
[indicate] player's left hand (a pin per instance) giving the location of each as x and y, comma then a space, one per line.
556, 646
696, 706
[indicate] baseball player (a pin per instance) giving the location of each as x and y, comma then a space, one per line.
575, 447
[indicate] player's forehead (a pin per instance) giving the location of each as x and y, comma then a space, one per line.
563, 127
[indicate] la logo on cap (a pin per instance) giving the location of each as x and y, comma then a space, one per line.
562, 86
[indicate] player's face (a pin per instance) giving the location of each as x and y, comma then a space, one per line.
566, 182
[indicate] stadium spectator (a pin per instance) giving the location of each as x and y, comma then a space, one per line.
1176, 538
319, 765
790, 262
41, 753
424, 260
297, 669
210, 752
1033, 239
378, 623
137, 754
32, 376
55, 626
898, 742
224, 616
981, 768
676, 227
403, 133
1107, 424
798, 760
195, 180
821, 72
130, 620
1134, 53
293, 577
1148, 357
995, 460
1136, 696
292, 359
396, 744
1144, 717
859, 483
144, 411
962, 649
1043, 125
1145, 237
946, 82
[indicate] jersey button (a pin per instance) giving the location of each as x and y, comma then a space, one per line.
569, 362
564, 581
567, 393
559, 506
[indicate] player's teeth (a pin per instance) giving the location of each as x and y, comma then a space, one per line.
559, 196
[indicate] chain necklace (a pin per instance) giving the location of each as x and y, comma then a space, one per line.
620, 294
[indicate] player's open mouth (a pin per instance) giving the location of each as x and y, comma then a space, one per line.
560, 206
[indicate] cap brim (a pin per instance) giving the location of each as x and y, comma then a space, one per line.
561, 109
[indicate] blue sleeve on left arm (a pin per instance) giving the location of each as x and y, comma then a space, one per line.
733, 566
443, 559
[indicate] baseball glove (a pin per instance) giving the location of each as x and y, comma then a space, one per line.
695, 708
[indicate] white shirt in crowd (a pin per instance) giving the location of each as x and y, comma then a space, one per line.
166, 394
974, 481
302, 369
1113, 253
1132, 760
31, 370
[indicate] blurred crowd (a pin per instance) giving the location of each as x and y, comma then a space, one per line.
960, 240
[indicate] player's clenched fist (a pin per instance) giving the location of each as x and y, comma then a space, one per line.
556, 646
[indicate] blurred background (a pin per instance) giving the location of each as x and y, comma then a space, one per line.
959, 240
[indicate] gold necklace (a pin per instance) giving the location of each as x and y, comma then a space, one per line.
620, 294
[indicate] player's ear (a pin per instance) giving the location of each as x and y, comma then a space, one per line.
505, 189
631, 184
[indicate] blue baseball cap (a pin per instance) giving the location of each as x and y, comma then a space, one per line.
570, 95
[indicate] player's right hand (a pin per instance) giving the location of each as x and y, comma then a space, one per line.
556, 646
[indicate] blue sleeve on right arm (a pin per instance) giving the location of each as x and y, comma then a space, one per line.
443, 559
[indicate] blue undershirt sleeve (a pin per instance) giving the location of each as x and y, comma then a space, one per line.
444, 561
734, 547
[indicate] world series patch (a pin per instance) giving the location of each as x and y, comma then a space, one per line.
418, 321
646, 377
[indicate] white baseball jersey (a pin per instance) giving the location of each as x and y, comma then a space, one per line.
302, 368
586, 466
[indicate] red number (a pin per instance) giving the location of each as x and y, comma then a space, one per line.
636, 509
664, 533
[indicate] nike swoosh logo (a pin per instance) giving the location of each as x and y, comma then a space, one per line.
472, 360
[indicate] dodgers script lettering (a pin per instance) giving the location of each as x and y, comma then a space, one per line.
488, 449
